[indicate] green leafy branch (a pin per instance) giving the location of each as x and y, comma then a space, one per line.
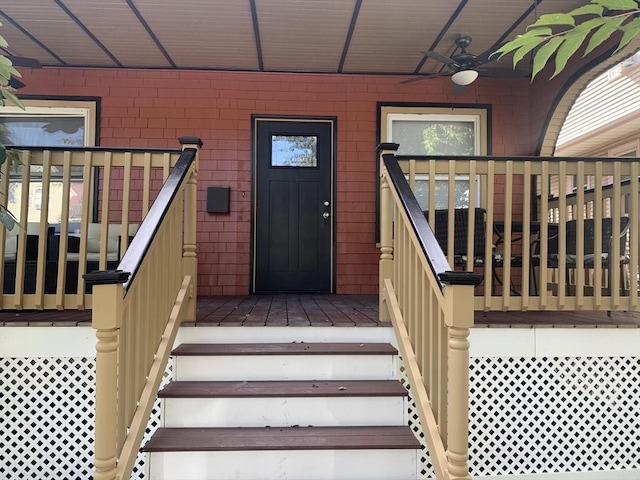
7, 95
563, 34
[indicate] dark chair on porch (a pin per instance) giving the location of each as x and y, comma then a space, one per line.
589, 259
461, 234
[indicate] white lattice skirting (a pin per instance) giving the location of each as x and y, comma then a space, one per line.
539, 415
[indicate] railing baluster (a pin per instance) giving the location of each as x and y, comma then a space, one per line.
598, 214
580, 273
146, 189
563, 274
613, 260
634, 234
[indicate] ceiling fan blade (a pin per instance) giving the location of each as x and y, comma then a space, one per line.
24, 61
441, 58
503, 72
15, 83
425, 77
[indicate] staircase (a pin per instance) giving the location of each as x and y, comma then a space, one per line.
308, 403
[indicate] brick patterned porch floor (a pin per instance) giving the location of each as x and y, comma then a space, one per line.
326, 310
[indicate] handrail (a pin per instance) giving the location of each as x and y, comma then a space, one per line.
437, 259
138, 247
431, 309
137, 314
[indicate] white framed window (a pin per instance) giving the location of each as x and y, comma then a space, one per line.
55, 124
437, 131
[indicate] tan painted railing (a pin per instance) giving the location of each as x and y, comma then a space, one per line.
525, 215
431, 309
77, 209
137, 311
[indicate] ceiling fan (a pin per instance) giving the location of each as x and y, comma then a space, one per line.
465, 67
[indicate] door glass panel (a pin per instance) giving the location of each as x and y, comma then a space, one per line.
294, 151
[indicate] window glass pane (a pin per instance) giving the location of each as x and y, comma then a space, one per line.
441, 195
437, 137
45, 127
42, 131
294, 151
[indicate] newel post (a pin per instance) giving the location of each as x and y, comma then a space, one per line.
386, 229
459, 308
108, 295
189, 256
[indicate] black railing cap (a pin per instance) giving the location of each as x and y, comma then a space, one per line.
190, 141
460, 278
106, 277
387, 146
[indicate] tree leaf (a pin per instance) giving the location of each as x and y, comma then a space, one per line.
3, 42
553, 19
3, 154
603, 33
523, 50
630, 30
531, 37
617, 4
590, 9
572, 42
12, 98
543, 55
7, 219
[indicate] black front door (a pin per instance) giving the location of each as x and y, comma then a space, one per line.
293, 213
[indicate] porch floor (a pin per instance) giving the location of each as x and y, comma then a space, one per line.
326, 310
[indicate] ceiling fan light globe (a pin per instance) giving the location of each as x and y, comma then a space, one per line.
464, 77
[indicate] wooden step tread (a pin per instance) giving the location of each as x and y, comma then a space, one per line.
248, 389
297, 348
281, 438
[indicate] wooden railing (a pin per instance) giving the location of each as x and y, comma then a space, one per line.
431, 308
137, 311
77, 209
530, 259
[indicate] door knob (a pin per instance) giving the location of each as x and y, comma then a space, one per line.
325, 215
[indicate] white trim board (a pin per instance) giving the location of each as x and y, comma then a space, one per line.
25, 342
485, 342
554, 342
596, 475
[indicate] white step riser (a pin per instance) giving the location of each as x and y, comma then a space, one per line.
284, 412
203, 334
285, 464
286, 367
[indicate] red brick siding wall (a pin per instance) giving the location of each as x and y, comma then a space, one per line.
151, 108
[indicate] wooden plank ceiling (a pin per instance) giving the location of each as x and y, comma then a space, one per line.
327, 36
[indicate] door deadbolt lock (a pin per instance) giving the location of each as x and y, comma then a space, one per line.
326, 203
325, 215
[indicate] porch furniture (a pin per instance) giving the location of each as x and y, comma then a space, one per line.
33, 234
461, 234
517, 227
94, 232
94, 237
589, 259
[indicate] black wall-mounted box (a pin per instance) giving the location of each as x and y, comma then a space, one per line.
218, 199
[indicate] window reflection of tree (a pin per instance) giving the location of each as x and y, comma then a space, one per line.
294, 150
54, 131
